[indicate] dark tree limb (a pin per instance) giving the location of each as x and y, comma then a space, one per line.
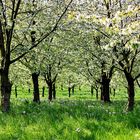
133, 60
137, 77
2, 49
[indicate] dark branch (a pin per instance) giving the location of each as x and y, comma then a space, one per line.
45, 78
3, 12
54, 79
87, 64
111, 71
119, 68
133, 60
137, 77
2, 49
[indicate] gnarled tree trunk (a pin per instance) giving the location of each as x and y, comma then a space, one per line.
36, 88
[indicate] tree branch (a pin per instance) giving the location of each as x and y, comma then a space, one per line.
118, 68
3, 12
87, 64
133, 60
138, 82
137, 77
45, 36
111, 69
45, 78
2, 49
54, 79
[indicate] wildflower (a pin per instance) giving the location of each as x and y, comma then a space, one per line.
24, 112
78, 130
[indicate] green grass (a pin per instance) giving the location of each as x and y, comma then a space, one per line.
70, 120
79, 118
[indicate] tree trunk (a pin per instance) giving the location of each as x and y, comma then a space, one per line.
101, 89
96, 93
92, 90
73, 87
61, 86
105, 88
5, 90
50, 91
131, 94
114, 92
69, 89
79, 87
43, 91
106, 91
15, 91
54, 91
29, 90
36, 87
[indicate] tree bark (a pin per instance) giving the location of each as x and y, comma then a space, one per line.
29, 90
43, 91
69, 89
106, 90
130, 91
114, 92
4, 72
131, 95
105, 93
50, 91
15, 91
96, 93
92, 90
54, 91
61, 86
73, 87
5, 90
36, 88
101, 89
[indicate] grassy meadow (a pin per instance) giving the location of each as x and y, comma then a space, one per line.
80, 117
